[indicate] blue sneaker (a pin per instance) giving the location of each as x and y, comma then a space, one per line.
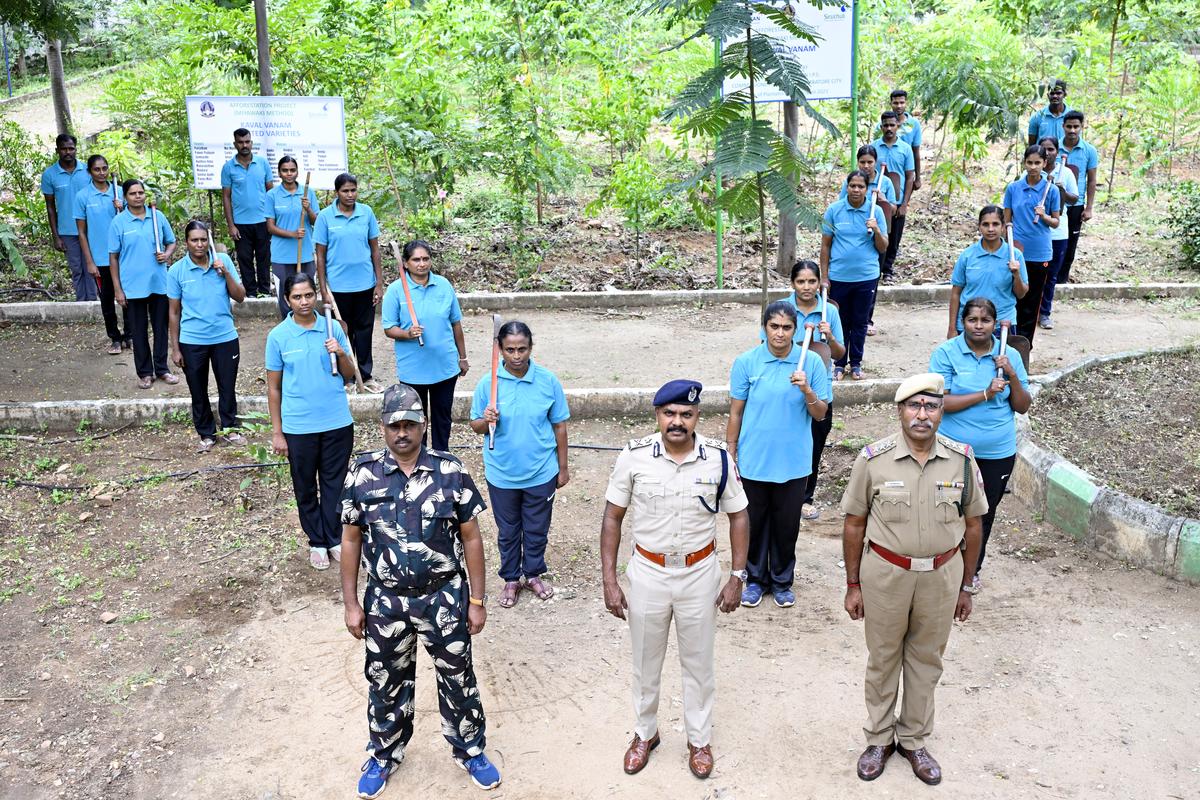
785, 598
752, 595
483, 772
374, 777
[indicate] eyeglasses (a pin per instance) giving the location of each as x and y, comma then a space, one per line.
915, 407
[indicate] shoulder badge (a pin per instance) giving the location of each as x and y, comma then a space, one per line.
958, 447
367, 458
645, 441
718, 444
876, 448
443, 455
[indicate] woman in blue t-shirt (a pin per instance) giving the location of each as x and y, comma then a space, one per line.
310, 414
979, 406
200, 287
430, 356
1032, 205
529, 461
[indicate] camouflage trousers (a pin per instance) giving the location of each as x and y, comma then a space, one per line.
394, 624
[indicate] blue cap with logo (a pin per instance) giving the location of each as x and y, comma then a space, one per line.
682, 391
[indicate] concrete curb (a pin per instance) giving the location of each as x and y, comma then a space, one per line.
1103, 519
265, 307
66, 415
36, 93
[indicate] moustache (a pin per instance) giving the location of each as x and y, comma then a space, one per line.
676, 429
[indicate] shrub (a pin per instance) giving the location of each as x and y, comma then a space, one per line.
1183, 217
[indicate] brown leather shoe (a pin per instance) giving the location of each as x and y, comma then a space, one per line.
873, 760
923, 765
700, 761
638, 754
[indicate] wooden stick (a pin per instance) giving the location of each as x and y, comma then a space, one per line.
303, 221
1045, 192
333, 370
808, 337
1012, 253
495, 370
412, 313
1003, 344
824, 305
212, 248
154, 225
358, 378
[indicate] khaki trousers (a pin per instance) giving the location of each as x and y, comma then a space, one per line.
908, 616
656, 596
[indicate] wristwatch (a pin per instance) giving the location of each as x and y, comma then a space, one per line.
969, 589
741, 574
478, 601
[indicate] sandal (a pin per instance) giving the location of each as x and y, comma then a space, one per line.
536, 586
857, 373
839, 373
508, 595
145, 382
205, 445
169, 378
114, 349
318, 558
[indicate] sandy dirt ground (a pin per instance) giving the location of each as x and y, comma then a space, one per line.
637, 347
37, 115
1074, 678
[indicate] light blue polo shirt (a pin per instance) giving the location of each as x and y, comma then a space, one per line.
132, 239
990, 427
96, 209
1022, 199
437, 309
910, 131
314, 400
1042, 124
63, 185
775, 443
1084, 157
984, 274
348, 266
248, 186
526, 454
284, 207
205, 316
886, 188
899, 159
832, 317
852, 255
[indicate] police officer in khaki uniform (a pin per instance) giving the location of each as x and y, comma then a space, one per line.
676, 482
911, 542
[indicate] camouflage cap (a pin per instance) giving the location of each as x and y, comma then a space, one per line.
401, 402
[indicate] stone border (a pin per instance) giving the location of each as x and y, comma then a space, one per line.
930, 293
1104, 519
78, 79
66, 415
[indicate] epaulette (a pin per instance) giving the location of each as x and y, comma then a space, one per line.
717, 443
367, 458
882, 446
445, 456
958, 447
645, 441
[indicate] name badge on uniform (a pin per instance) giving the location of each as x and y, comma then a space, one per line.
893, 484
708, 481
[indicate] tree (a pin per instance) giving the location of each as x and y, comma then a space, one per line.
55, 21
755, 158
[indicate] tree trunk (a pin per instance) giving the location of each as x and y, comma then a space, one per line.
22, 65
58, 86
762, 203
785, 255
263, 44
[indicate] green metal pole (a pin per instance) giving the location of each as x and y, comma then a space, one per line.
717, 196
854, 85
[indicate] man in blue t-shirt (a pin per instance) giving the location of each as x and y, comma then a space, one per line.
1083, 158
245, 181
901, 163
60, 181
1049, 121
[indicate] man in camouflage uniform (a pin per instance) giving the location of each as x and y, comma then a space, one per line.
411, 514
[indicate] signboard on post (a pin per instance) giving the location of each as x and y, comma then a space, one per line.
310, 129
828, 64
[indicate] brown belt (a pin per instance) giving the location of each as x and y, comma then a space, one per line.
915, 564
678, 560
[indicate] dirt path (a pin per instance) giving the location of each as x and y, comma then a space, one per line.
638, 348
229, 678
37, 115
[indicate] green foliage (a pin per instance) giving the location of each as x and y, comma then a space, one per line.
1184, 221
21, 164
